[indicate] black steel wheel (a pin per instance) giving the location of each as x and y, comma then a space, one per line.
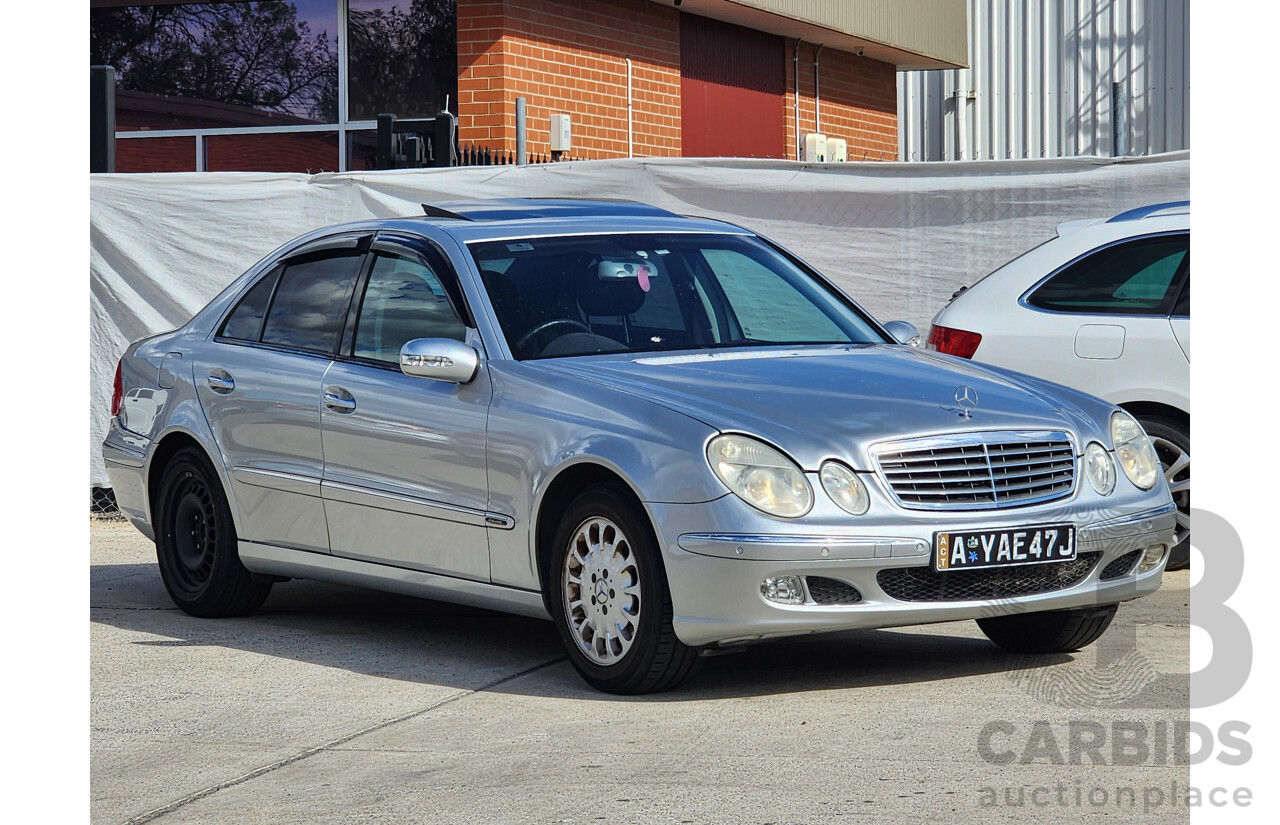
196, 545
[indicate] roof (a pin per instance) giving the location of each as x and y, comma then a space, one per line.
1154, 210
513, 218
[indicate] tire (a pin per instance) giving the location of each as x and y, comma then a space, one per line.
1049, 631
196, 545
1173, 445
606, 572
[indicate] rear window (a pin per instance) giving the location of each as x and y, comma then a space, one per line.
1131, 278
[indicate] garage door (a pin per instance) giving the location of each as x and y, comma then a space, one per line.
733, 90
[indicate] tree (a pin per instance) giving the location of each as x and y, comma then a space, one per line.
405, 63
258, 55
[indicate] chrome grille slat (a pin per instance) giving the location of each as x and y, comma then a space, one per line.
979, 470
986, 478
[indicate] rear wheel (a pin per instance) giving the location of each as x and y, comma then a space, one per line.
1173, 446
1050, 631
610, 598
196, 545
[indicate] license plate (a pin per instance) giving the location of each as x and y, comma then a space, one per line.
969, 550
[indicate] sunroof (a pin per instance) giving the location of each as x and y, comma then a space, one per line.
512, 209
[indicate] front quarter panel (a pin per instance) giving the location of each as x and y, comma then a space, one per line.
541, 423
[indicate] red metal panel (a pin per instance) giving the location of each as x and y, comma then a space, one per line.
732, 90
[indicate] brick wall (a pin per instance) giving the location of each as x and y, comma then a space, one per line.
859, 101
567, 56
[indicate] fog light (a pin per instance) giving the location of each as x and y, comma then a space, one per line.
1152, 558
783, 589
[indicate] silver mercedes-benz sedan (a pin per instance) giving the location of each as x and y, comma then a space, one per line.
668, 435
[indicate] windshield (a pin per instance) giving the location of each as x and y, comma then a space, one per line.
651, 293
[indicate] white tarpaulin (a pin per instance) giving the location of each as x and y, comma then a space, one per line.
899, 238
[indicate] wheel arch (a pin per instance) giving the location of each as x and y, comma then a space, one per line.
1138, 409
558, 492
166, 447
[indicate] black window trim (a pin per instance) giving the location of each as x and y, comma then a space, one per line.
358, 241
1161, 312
424, 250
1184, 283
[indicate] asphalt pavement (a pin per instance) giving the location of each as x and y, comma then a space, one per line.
342, 705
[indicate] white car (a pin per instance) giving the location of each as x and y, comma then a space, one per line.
1105, 307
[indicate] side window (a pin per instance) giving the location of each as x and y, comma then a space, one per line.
404, 300
245, 321
311, 302
1135, 278
768, 307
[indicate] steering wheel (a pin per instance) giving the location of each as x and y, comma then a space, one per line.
546, 325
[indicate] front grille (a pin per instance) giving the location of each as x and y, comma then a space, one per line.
979, 471
832, 591
1121, 566
924, 584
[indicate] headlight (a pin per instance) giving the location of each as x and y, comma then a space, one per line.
760, 475
1137, 457
845, 488
1099, 468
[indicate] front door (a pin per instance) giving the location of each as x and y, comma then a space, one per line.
404, 458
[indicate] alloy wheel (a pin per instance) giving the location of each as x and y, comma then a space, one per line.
602, 595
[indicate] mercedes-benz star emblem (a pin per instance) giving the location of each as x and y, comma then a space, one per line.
966, 399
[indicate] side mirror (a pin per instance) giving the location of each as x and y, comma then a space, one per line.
440, 359
904, 333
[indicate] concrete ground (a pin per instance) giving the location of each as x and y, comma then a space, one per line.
340, 705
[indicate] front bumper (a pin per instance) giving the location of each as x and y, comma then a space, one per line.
715, 575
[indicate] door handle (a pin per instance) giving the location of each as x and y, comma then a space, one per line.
220, 381
339, 400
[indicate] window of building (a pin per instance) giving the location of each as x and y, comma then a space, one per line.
262, 86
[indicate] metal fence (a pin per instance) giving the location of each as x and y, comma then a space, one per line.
1043, 80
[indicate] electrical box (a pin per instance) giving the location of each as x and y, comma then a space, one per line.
837, 150
815, 148
561, 133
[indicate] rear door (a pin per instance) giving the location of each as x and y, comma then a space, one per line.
404, 472
260, 381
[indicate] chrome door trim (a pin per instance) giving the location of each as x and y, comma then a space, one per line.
801, 548
281, 561
398, 502
277, 480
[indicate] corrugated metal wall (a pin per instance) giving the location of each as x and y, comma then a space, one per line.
1040, 82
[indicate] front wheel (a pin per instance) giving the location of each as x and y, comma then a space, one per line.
196, 544
610, 597
1049, 631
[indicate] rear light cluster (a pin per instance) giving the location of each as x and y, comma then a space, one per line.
958, 342
117, 394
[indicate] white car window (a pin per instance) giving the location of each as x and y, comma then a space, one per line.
1137, 277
